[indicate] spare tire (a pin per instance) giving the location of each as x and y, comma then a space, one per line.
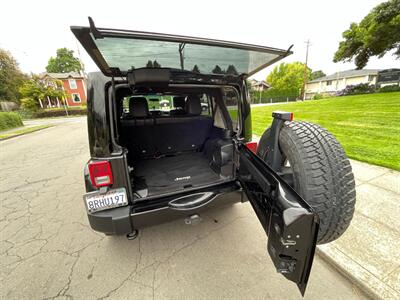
315, 165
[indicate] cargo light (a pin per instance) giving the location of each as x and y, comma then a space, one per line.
252, 146
100, 173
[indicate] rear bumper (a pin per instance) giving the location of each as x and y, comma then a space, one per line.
124, 220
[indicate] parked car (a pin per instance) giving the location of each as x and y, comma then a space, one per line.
148, 167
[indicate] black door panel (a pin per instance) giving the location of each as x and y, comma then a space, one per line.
290, 223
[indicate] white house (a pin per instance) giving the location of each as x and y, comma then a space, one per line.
331, 84
259, 85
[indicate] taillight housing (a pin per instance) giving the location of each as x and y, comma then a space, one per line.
100, 173
252, 146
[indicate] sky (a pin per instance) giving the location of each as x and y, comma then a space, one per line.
33, 30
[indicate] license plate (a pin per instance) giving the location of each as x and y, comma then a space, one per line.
111, 199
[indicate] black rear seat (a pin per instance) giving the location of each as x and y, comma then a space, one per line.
137, 128
183, 133
165, 135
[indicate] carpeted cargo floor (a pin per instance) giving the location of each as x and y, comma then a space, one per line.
172, 173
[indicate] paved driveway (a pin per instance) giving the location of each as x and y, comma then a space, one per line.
49, 251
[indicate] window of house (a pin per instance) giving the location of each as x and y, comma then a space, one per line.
371, 77
76, 98
72, 84
329, 82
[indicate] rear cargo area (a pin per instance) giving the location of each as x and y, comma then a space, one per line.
172, 173
170, 151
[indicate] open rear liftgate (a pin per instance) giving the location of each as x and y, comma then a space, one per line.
289, 222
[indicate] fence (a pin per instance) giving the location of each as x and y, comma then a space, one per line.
274, 96
272, 99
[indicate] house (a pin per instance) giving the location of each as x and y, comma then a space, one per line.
331, 84
259, 86
388, 77
74, 85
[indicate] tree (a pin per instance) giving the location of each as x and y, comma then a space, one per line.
64, 62
11, 78
288, 76
196, 69
231, 70
156, 64
217, 70
317, 74
375, 35
149, 64
37, 91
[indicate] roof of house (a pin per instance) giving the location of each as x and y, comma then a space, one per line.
261, 82
347, 74
62, 75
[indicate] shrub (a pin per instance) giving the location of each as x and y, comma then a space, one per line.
60, 112
25, 114
274, 95
362, 88
29, 104
390, 88
318, 96
10, 120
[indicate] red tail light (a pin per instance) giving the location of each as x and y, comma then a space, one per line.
252, 147
100, 173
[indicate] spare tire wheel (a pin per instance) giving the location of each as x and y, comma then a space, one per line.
315, 165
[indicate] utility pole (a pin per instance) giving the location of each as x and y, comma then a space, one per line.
80, 59
303, 92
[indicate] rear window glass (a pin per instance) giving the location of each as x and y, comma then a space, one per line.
128, 53
154, 102
165, 103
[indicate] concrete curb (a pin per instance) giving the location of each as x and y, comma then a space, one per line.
24, 133
362, 278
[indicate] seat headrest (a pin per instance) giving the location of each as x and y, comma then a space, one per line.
179, 102
193, 106
138, 107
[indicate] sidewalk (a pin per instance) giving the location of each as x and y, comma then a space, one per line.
368, 252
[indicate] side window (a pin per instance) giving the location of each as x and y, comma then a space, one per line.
125, 105
218, 120
231, 100
205, 105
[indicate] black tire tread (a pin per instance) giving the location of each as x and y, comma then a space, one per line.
325, 179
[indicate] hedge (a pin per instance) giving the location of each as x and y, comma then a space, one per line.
59, 112
10, 120
274, 95
389, 88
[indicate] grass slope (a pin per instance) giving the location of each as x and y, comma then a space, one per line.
367, 126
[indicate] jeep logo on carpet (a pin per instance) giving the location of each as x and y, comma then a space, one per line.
182, 178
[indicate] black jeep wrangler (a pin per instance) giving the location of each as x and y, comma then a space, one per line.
169, 125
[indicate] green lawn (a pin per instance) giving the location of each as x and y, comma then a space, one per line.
368, 126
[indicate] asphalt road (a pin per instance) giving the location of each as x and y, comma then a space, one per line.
49, 251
